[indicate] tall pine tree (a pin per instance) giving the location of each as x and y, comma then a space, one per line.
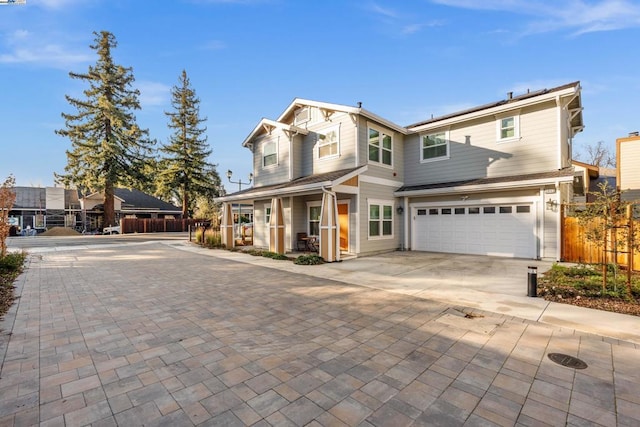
108, 147
184, 171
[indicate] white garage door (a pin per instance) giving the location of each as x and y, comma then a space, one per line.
502, 230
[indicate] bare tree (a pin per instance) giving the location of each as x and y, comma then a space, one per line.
597, 154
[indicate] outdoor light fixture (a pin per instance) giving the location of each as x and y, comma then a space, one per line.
551, 204
399, 209
239, 182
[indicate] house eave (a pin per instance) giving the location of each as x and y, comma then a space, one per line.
510, 185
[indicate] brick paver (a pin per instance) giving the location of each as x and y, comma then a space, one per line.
157, 336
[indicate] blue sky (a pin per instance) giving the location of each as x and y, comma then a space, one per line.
248, 59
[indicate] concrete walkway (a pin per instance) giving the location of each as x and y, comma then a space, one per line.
148, 334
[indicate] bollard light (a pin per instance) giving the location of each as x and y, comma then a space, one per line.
532, 281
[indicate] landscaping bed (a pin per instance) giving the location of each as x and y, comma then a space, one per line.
582, 286
10, 267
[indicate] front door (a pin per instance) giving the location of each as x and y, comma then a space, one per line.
343, 218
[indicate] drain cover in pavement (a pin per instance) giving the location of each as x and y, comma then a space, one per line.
568, 361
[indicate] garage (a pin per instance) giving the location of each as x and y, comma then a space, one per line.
501, 230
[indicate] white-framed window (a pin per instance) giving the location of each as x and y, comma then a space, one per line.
302, 115
313, 218
267, 214
508, 128
380, 147
329, 142
269, 154
380, 219
434, 146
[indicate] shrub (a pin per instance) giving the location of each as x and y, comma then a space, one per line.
12, 262
309, 260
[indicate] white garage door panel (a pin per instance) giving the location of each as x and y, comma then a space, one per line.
505, 232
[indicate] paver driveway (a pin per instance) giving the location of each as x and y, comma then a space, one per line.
153, 335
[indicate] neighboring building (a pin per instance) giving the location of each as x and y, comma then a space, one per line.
488, 180
42, 208
628, 166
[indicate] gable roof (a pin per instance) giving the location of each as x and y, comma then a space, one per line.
137, 200
569, 90
281, 123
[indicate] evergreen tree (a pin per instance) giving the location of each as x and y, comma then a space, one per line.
185, 173
108, 147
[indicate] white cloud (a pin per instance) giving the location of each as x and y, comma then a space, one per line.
24, 47
576, 16
377, 9
153, 94
214, 45
397, 22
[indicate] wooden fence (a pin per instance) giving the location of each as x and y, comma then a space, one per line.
147, 225
576, 248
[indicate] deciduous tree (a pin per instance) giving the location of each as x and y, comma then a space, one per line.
108, 148
185, 173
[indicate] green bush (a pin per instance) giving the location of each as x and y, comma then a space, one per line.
309, 260
12, 262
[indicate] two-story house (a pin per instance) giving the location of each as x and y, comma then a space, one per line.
488, 180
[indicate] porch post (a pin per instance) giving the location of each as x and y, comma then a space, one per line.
276, 226
226, 227
329, 234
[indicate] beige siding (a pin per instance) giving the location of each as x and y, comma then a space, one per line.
629, 159
475, 152
272, 174
311, 162
378, 170
376, 245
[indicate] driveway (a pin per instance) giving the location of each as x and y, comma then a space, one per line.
148, 334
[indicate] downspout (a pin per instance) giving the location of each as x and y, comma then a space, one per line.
332, 244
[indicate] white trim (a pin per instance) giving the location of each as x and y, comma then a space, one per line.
276, 142
447, 144
381, 135
516, 128
485, 187
536, 99
381, 203
298, 112
324, 132
380, 181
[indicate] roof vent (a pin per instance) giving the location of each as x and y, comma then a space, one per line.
635, 133
509, 96
359, 104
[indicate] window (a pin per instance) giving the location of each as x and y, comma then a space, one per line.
302, 115
508, 128
328, 143
314, 220
489, 209
422, 211
267, 214
523, 209
269, 154
434, 147
446, 211
380, 147
433, 211
459, 211
506, 209
380, 219
474, 211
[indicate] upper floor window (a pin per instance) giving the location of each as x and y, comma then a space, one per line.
270, 154
302, 115
329, 143
435, 146
508, 128
380, 147
380, 219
